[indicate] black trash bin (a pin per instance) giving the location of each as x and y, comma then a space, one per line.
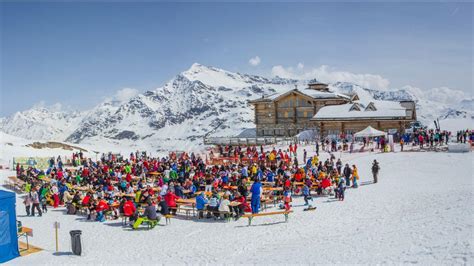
76, 242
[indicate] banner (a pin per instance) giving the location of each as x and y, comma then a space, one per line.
41, 163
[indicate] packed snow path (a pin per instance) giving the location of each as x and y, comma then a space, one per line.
419, 212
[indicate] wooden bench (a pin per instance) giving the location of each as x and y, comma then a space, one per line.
124, 219
16, 184
168, 218
251, 215
25, 232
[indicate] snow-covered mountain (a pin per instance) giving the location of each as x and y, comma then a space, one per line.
41, 123
192, 104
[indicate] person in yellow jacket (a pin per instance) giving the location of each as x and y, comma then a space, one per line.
271, 156
355, 177
315, 160
321, 175
253, 170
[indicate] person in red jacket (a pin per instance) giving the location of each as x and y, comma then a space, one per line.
102, 205
243, 207
170, 199
129, 209
86, 200
326, 183
298, 176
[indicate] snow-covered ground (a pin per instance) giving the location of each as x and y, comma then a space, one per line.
419, 212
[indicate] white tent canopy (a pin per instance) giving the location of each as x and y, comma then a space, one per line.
369, 132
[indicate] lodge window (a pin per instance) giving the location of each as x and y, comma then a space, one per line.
268, 132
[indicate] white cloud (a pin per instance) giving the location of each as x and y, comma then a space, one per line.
443, 95
325, 74
255, 61
125, 94
300, 65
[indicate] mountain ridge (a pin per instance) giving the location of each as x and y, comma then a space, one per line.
187, 107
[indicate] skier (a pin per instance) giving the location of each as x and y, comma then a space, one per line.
375, 170
306, 195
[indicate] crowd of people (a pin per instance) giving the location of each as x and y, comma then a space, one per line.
141, 186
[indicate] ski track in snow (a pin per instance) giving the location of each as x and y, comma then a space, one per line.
419, 212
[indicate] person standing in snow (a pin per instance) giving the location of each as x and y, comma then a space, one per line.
355, 177
287, 199
27, 202
35, 199
304, 155
55, 192
339, 166
375, 170
307, 194
347, 174
341, 188
256, 191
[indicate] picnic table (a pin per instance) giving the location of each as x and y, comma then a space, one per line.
234, 203
272, 188
25, 232
82, 188
298, 184
154, 173
186, 202
115, 205
45, 179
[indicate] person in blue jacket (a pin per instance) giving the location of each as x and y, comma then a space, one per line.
256, 190
201, 202
270, 176
245, 172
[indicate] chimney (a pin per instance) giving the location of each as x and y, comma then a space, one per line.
319, 86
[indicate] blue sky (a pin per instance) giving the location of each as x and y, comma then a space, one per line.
80, 53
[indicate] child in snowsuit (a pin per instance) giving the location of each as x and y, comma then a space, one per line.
306, 194
287, 199
340, 191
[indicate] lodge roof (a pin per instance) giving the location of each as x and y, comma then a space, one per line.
359, 110
310, 93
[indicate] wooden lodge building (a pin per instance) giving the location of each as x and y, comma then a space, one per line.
328, 113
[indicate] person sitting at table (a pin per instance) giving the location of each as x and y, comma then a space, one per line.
150, 214
101, 208
129, 210
224, 206
242, 207
164, 210
213, 205
86, 201
170, 199
76, 200
178, 190
92, 209
144, 197
67, 197
242, 188
129, 189
201, 202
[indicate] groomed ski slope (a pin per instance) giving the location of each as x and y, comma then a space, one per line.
419, 212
